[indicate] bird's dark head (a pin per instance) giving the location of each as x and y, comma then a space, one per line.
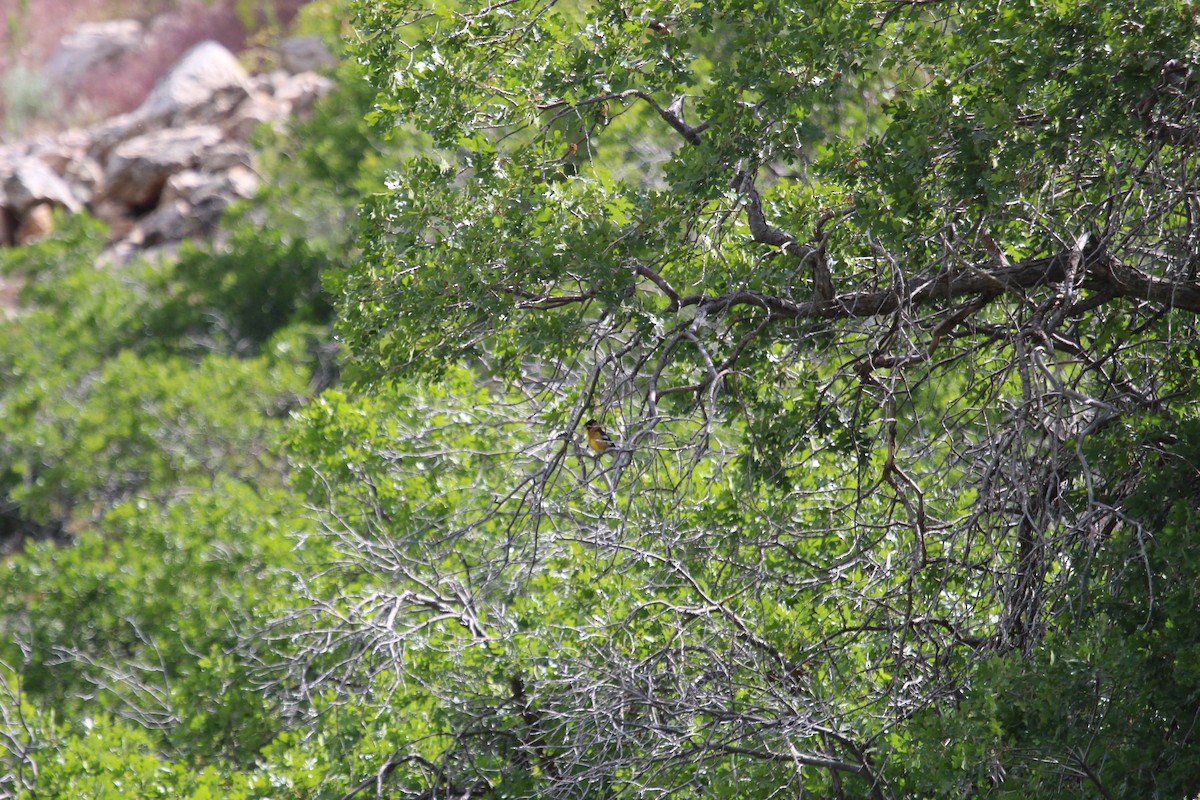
591, 423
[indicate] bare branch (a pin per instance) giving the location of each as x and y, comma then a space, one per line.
1105, 276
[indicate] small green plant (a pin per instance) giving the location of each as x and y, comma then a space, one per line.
27, 98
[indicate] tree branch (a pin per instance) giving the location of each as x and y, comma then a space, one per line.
661, 282
764, 232
442, 789
806, 759
673, 116
760, 229
1103, 275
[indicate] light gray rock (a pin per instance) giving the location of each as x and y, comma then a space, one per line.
185, 185
32, 182
170, 222
259, 109
205, 72
168, 170
67, 156
226, 155
138, 168
205, 87
85, 177
241, 183
117, 216
192, 203
300, 92
194, 186
305, 54
92, 45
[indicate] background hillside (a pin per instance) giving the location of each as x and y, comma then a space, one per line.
33, 31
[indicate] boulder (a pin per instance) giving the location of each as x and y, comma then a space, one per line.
203, 88
305, 54
67, 156
32, 182
240, 183
260, 108
138, 168
90, 46
166, 171
300, 92
179, 220
36, 223
117, 216
194, 187
85, 177
192, 203
208, 79
186, 186
226, 155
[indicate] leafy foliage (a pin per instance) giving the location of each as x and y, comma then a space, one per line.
99, 377
859, 369
888, 309
142, 484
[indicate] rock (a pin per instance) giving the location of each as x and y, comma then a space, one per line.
274, 97
207, 75
138, 168
305, 54
117, 216
37, 223
260, 108
301, 92
176, 221
192, 203
59, 157
185, 185
7, 225
85, 176
195, 187
89, 46
226, 155
203, 88
68, 158
32, 182
168, 170
241, 182
119, 253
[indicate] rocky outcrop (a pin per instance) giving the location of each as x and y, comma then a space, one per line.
165, 171
92, 46
138, 168
305, 54
33, 182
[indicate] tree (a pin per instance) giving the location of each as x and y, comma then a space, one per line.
891, 309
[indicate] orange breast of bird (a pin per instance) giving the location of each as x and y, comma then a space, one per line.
597, 439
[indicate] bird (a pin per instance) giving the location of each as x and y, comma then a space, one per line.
597, 438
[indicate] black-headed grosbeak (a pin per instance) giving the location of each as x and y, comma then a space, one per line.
597, 438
